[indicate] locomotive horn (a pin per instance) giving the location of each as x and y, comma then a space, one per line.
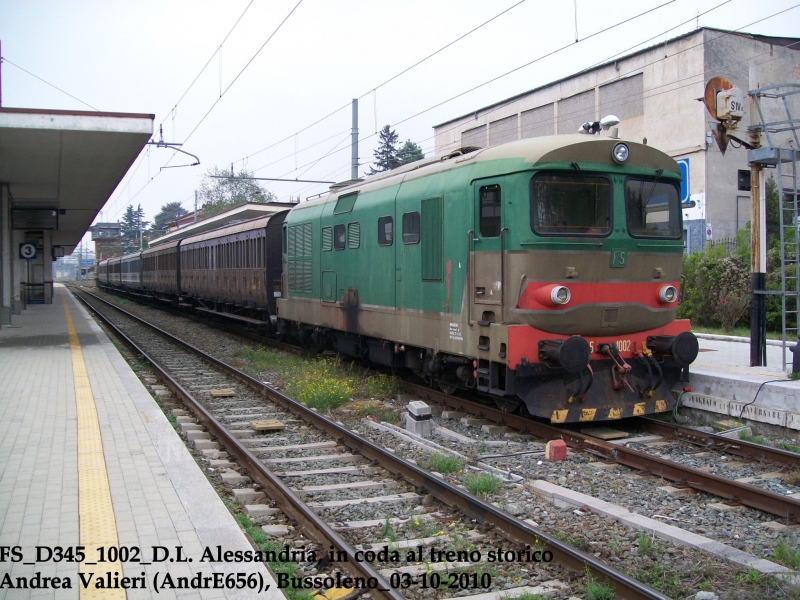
682, 347
571, 354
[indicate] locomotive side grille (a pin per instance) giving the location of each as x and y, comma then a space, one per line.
299, 249
353, 235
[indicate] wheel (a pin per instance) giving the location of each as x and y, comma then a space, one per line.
508, 405
447, 388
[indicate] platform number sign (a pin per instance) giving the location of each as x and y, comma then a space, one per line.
27, 251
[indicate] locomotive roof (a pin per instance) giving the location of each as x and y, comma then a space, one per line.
544, 149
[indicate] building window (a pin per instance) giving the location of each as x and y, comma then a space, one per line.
385, 231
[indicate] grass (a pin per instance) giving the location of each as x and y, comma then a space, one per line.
645, 543
788, 447
261, 540
579, 543
444, 463
376, 410
481, 484
423, 527
753, 439
787, 556
322, 383
387, 532
596, 590
527, 596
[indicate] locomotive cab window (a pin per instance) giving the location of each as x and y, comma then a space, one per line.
571, 204
653, 207
411, 228
339, 237
385, 231
490, 211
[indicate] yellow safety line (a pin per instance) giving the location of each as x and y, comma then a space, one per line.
98, 527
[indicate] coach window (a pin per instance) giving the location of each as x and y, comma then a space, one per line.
327, 239
571, 204
411, 228
385, 231
490, 211
339, 237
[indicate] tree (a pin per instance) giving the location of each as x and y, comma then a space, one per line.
132, 226
410, 152
222, 190
386, 154
170, 212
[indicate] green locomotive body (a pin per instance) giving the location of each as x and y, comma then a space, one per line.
543, 272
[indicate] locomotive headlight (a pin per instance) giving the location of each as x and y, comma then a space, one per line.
667, 294
560, 295
620, 153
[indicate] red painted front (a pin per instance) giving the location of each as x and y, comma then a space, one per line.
597, 292
523, 341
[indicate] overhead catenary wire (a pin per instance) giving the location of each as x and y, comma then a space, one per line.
472, 89
5, 60
377, 87
280, 25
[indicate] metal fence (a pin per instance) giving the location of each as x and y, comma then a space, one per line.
729, 244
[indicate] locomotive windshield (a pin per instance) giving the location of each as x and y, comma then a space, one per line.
570, 204
653, 208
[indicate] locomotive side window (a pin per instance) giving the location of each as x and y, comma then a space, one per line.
327, 239
490, 211
653, 207
339, 237
570, 204
411, 228
385, 231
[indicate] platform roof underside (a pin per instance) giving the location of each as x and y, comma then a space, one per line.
68, 160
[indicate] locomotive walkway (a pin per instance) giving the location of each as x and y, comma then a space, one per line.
88, 458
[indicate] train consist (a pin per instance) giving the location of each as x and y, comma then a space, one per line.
543, 273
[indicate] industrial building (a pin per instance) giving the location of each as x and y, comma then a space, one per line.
657, 94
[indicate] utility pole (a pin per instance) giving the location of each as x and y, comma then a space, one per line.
354, 142
139, 221
758, 266
195, 206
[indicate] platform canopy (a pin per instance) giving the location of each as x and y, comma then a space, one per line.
69, 161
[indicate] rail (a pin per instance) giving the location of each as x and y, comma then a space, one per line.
516, 529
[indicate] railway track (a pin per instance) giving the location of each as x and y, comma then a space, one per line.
782, 506
316, 467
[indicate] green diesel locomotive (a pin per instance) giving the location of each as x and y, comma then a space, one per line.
543, 272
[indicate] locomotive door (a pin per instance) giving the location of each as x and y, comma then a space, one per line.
485, 257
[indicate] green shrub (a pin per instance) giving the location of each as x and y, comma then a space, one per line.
481, 484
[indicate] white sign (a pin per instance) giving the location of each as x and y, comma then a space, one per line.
27, 251
696, 208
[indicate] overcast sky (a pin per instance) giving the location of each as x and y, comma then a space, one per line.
142, 57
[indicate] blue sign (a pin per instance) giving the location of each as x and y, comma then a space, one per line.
87, 261
683, 163
27, 251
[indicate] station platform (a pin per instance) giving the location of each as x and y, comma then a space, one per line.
723, 381
88, 459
